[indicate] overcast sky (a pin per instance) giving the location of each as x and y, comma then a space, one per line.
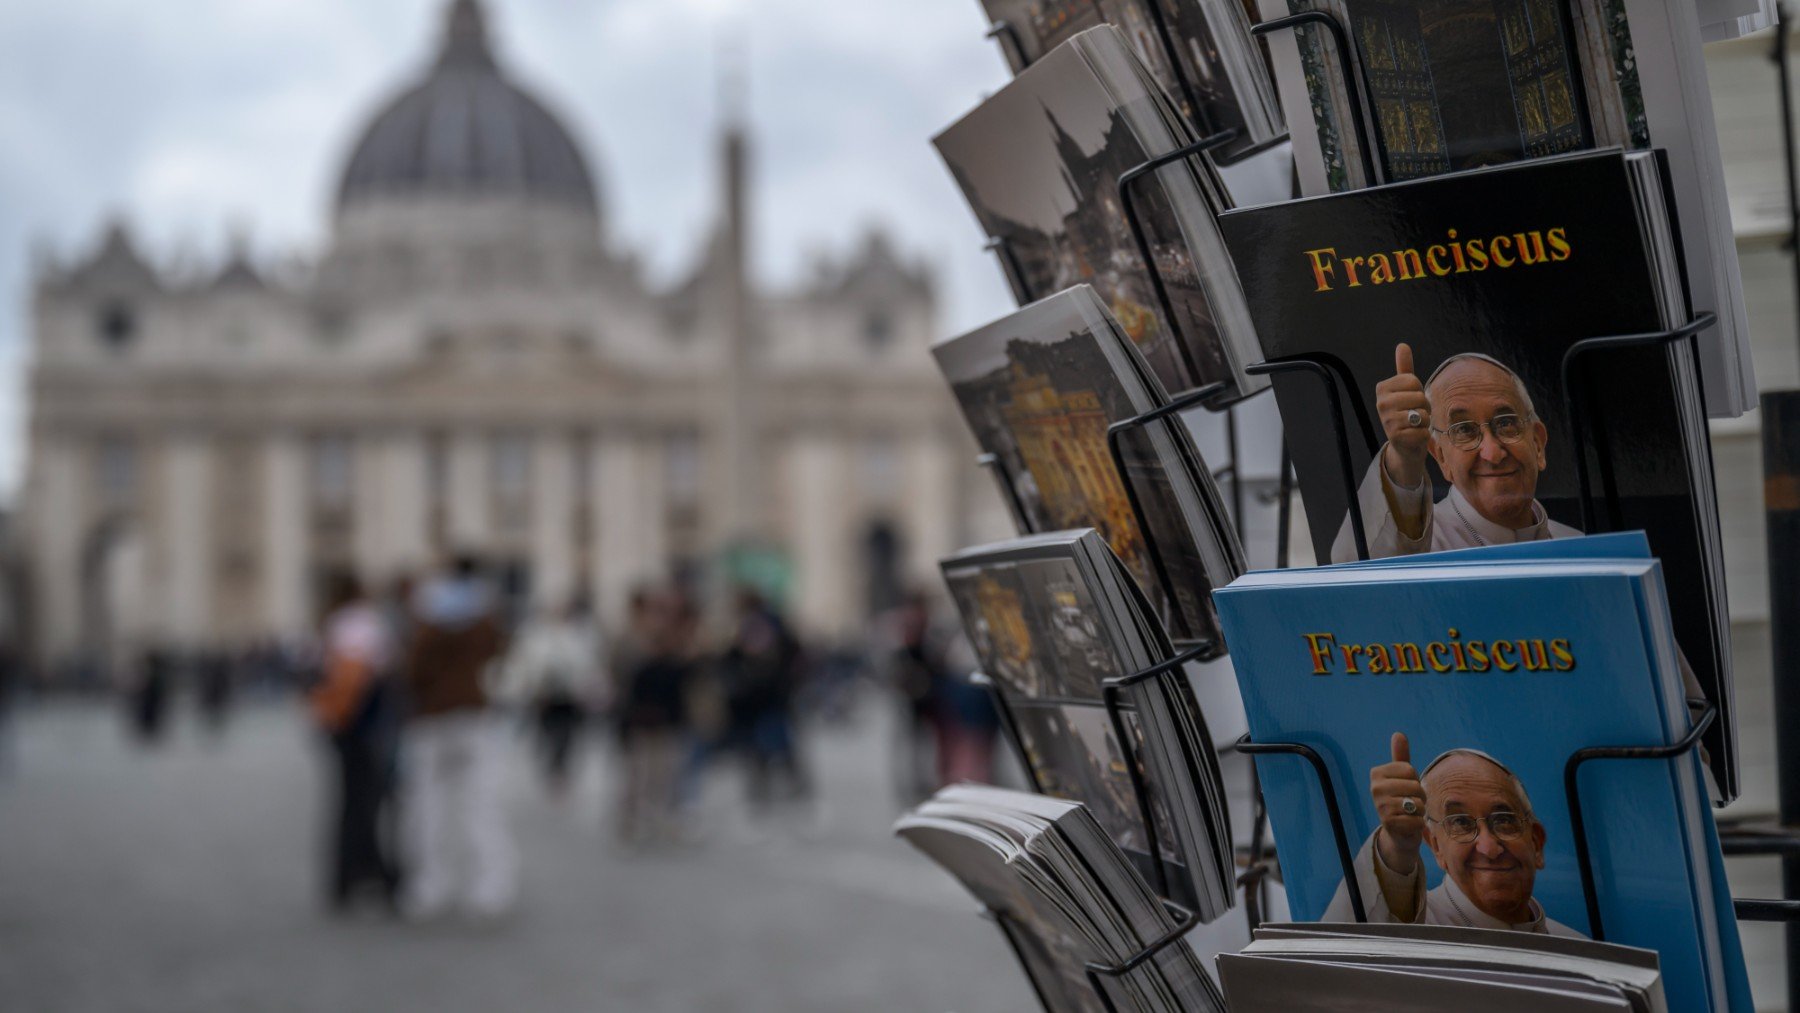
191, 118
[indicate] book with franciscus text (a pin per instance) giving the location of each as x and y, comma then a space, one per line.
1458, 85
1445, 309
1462, 687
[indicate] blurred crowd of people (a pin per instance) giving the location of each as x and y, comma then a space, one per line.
420, 692
414, 691
948, 725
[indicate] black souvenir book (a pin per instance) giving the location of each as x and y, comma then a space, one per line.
1515, 263
1452, 85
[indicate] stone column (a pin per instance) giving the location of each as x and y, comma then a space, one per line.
285, 598
187, 523
825, 598
609, 460
552, 520
650, 530
405, 504
471, 491
57, 524
629, 536
930, 503
368, 544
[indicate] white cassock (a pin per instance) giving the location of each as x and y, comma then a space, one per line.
1452, 524
1445, 904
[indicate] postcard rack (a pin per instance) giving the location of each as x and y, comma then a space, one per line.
1014, 935
1349, 63
1587, 348
1003, 32
1094, 971
1111, 692
1115, 446
1184, 923
1572, 787
1260, 866
1011, 269
1262, 863
1128, 205
1007, 34
1115, 436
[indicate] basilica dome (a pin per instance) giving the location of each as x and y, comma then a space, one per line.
466, 131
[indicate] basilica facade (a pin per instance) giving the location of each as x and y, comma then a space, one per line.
471, 366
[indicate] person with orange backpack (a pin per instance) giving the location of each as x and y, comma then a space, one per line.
353, 704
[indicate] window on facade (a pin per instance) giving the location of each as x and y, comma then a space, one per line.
117, 325
331, 471
878, 329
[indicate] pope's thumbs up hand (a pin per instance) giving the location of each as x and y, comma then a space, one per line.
1400, 803
1406, 419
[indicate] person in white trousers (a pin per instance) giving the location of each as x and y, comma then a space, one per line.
459, 848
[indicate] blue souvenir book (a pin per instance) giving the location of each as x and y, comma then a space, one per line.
1499, 670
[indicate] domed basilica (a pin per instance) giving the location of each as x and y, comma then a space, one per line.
470, 366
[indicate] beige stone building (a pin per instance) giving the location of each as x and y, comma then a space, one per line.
470, 364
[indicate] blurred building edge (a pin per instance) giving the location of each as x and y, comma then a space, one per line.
471, 366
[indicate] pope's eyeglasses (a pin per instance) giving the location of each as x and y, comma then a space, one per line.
1466, 435
1463, 828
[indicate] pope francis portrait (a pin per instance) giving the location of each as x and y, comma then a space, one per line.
1474, 815
1474, 417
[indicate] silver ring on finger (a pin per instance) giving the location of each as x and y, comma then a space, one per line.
1415, 419
1407, 805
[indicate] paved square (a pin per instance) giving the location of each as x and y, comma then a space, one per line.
187, 878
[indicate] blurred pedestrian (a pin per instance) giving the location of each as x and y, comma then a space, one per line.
652, 714
149, 698
554, 671
708, 734
631, 644
912, 650
761, 669
458, 846
216, 674
12, 676
353, 703
967, 724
